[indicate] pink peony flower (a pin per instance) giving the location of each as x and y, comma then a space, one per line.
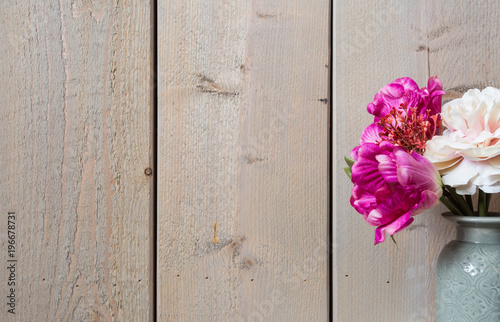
406, 91
391, 186
405, 115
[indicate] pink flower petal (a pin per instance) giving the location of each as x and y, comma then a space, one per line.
393, 90
392, 228
406, 91
371, 134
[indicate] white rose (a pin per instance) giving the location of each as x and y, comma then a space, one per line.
467, 155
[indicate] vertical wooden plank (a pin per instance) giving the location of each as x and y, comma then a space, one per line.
377, 42
374, 44
243, 160
75, 108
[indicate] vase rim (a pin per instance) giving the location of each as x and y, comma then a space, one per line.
475, 229
492, 218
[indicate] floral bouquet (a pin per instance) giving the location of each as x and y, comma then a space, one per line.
404, 165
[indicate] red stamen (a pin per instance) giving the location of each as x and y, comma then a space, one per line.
404, 128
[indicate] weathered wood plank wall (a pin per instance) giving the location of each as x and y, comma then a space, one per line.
375, 43
243, 178
75, 111
243, 160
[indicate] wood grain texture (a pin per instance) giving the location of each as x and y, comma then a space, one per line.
375, 43
463, 44
75, 105
243, 160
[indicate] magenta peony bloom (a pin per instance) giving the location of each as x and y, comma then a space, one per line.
391, 186
406, 91
414, 112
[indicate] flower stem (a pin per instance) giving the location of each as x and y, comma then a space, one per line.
488, 199
481, 203
469, 201
450, 205
464, 208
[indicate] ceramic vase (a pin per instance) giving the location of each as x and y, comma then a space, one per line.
468, 271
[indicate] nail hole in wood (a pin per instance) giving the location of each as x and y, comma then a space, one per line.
148, 171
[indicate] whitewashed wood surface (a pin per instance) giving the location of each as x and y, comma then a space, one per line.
74, 138
376, 42
243, 160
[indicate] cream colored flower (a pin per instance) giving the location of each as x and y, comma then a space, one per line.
467, 155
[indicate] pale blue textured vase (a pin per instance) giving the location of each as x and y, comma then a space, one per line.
468, 271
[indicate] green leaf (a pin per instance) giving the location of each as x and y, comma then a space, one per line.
350, 162
392, 237
348, 172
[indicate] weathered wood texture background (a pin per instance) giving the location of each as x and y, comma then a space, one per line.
75, 140
243, 129
375, 43
243, 160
